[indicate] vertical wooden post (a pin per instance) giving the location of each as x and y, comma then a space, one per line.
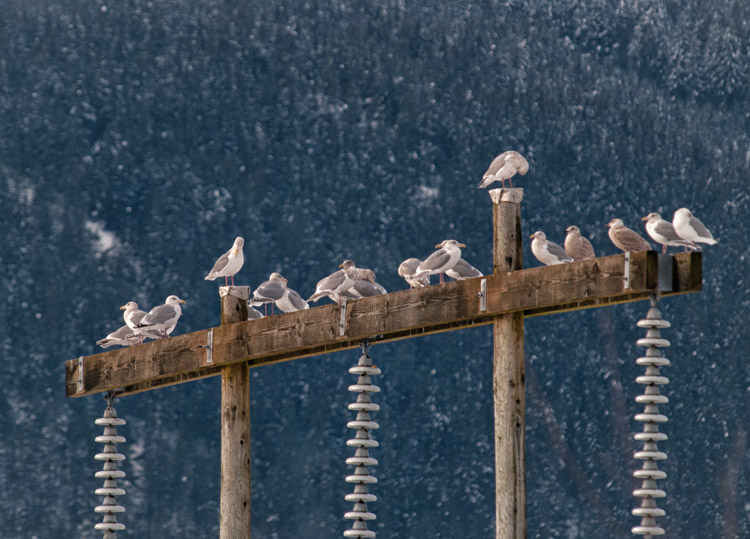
234, 509
508, 377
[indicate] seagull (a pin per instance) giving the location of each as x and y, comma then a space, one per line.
275, 291
408, 268
229, 263
253, 313
663, 232
463, 270
162, 318
691, 229
626, 239
365, 286
578, 247
447, 255
504, 167
547, 252
133, 316
336, 283
124, 336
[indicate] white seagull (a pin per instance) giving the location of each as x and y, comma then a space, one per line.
133, 316
663, 232
504, 167
463, 270
336, 283
547, 252
447, 255
162, 318
276, 291
408, 268
365, 286
229, 263
691, 229
124, 336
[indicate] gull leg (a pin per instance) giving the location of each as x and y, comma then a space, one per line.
441, 279
664, 249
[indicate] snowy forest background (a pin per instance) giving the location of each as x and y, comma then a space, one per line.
138, 138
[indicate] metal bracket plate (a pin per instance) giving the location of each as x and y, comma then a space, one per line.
342, 320
79, 381
209, 346
483, 295
626, 274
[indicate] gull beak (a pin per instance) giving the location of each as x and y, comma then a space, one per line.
462, 245
644, 218
123, 308
183, 301
341, 265
533, 236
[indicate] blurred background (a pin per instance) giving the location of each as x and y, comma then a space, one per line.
137, 139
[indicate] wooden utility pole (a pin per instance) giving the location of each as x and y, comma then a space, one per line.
234, 507
508, 380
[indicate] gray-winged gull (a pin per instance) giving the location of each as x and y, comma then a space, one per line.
447, 255
276, 292
691, 229
133, 316
124, 336
365, 285
663, 232
577, 246
337, 283
463, 270
504, 167
229, 263
626, 239
547, 252
162, 318
408, 268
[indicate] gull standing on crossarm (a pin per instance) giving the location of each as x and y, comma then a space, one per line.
663, 232
336, 283
626, 239
123, 336
132, 317
163, 318
463, 270
547, 252
691, 229
365, 285
408, 268
504, 167
229, 263
447, 255
577, 246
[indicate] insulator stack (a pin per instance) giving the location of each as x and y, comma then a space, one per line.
363, 442
110, 473
651, 418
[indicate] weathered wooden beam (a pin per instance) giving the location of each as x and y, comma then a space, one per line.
398, 315
234, 501
508, 379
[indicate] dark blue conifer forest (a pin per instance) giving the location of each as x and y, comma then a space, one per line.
138, 138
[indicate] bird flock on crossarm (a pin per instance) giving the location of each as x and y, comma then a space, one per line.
351, 283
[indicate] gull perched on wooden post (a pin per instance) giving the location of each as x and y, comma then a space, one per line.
229, 263
577, 246
336, 283
408, 268
504, 167
447, 255
691, 229
547, 252
663, 232
626, 239
162, 318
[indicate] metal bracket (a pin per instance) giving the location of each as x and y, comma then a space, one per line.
626, 275
342, 320
666, 267
482, 295
209, 346
79, 381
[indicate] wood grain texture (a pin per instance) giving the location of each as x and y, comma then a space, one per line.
509, 384
398, 315
234, 504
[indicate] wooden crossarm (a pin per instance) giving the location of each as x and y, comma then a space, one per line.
398, 315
